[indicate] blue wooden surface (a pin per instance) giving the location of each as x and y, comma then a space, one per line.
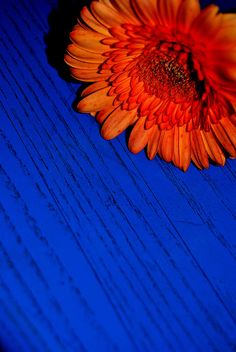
100, 250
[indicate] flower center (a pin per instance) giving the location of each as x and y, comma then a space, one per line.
168, 72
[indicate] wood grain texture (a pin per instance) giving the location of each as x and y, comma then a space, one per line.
100, 250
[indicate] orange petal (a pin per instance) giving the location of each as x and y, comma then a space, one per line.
195, 160
153, 142
212, 147
145, 105
226, 37
182, 148
96, 101
198, 150
84, 55
185, 148
222, 57
229, 20
88, 40
109, 17
117, 122
145, 10
176, 157
167, 11
188, 11
221, 68
107, 3
92, 22
103, 114
206, 26
80, 64
87, 76
123, 6
92, 88
225, 131
166, 144
139, 136
224, 73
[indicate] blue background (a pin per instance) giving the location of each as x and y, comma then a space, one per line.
100, 250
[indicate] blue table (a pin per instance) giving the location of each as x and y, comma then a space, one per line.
100, 250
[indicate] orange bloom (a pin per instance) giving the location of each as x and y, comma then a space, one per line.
167, 68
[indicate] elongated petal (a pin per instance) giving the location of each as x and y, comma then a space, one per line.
198, 150
91, 21
228, 133
84, 55
103, 114
188, 11
92, 88
225, 38
90, 66
139, 136
168, 11
88, 40
229, 19
153, 142
145, 10
166, 144
176, 152
213, 149
182, 148
95, 101
209, 21
107, 16
117, 122
88, 76
123, 6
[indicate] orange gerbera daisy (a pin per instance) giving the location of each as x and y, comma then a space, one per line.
165, 67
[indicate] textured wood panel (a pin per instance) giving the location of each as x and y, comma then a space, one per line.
100, 250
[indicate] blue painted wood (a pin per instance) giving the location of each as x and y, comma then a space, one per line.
100, 250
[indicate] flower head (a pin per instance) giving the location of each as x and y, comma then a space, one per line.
165, 67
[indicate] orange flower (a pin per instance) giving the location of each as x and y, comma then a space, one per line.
167, 68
